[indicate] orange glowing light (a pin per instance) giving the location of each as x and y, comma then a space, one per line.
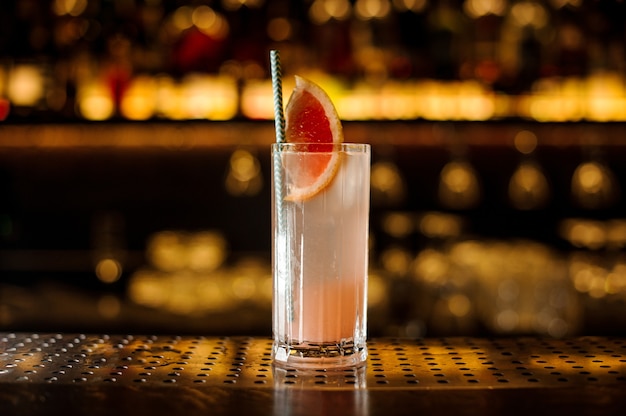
138, 103
95, 101
25, 85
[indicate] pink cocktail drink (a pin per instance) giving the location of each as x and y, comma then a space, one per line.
320, 260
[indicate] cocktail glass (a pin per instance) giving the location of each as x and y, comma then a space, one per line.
320, 260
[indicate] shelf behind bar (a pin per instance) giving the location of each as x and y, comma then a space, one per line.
208, 134
168, 374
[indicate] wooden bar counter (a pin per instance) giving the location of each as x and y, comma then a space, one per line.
69, 374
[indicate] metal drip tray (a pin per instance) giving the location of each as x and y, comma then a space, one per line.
40, 364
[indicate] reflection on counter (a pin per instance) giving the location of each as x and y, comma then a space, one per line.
455, 285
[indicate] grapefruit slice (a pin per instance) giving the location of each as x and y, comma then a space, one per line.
312, 121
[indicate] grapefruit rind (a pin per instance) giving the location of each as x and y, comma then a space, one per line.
312, 141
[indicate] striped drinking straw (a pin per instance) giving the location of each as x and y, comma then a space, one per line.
277, 88
279, 122
280, 245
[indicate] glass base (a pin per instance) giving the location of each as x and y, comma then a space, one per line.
318, 356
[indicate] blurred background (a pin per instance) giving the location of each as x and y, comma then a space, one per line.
134, 161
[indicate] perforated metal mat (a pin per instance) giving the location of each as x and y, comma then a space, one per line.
243, 362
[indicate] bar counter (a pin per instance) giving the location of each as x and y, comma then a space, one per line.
171, 375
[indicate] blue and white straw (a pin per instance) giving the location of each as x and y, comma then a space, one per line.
280, 243
279, 122
277, 88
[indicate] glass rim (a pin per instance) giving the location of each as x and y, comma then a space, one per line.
336, 147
